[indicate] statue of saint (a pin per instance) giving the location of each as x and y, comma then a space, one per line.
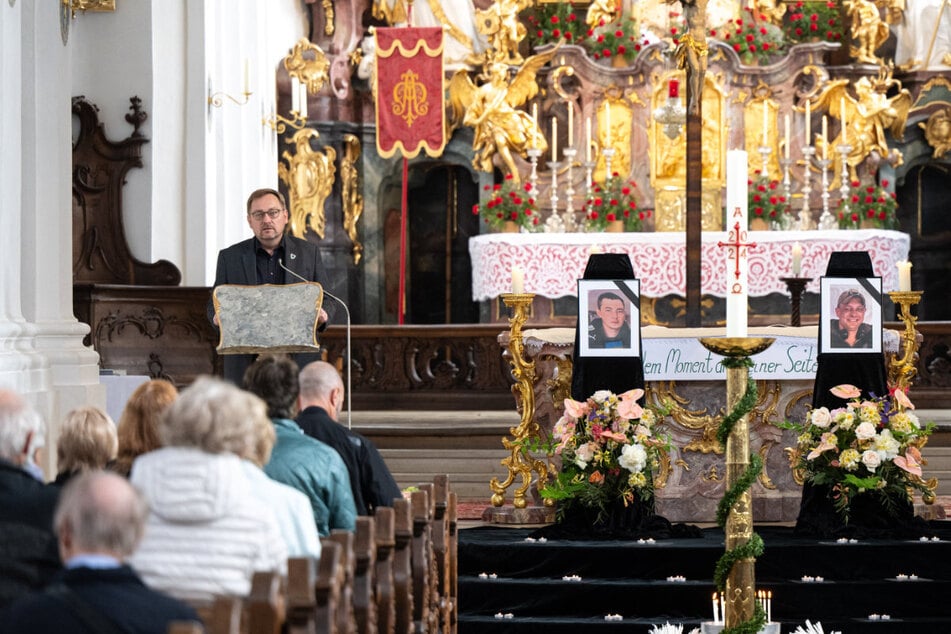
458, 17
924, 36
868, 31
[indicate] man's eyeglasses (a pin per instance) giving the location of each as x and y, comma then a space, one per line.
271, 213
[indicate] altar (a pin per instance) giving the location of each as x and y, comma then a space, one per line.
553, 262
691, 480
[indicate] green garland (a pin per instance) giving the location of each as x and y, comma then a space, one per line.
754, 547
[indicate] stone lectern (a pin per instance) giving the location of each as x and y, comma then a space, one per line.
268, 317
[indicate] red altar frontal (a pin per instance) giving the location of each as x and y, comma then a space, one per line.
553, 262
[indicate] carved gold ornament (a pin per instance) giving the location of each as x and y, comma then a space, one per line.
350, 192
309, 64
938, 132
309, 176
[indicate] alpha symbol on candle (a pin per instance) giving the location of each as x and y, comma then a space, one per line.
738, 247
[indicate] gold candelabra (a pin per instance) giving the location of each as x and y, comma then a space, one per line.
520, 462
902, 368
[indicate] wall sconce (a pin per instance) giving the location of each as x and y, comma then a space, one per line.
308, 68
217, 99
298, 110
89, 5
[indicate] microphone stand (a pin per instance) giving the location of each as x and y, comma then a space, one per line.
347, 312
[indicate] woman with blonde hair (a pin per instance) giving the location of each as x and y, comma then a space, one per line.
87, 442
138, 425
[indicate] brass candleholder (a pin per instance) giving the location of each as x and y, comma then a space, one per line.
520, 462
796, 286
902, 367
740, 592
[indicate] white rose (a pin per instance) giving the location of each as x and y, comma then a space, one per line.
601, 395
871, 460
886, 445
633, 458
865, 431
821, 417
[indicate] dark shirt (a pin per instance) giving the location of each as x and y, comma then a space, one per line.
268, 265
863, 338
117, 594
370, 479
598, 339
29, 551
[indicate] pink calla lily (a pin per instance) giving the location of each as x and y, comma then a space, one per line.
575, 409
846, 391
902, 399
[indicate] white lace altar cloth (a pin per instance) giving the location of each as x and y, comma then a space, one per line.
553, 262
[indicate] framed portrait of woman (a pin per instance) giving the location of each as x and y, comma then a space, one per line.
609, 318
850, 315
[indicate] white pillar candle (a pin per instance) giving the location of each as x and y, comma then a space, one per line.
295, 94
247, 82
303, 100
796, 259
716, 609
554, 140
571, 124
535, 126
518, 280
765, 121
904, 275
825, 137
607, 124
769, 606
737, 176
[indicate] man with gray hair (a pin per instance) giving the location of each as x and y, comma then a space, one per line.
28, 556
100, 521
320, 403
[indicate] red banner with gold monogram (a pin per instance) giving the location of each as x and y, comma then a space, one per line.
409, 91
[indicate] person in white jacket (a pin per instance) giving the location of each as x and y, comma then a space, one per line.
207, 534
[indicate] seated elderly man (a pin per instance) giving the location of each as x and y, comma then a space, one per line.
28, 554
99, 521
306, 464
207, 535
87, 442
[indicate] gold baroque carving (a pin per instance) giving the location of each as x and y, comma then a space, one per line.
309, 176
308, 63
938, 132
350, 192
90, 5
328, 16
763, 476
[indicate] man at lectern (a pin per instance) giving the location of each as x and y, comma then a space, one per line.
270, 257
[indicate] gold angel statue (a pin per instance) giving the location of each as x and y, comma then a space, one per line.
502, 29
602, 12
868, 30
309, 176
867, 117
491, 110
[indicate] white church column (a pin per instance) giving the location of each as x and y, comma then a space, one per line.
46, 297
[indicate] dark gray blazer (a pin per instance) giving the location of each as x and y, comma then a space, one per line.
236, 264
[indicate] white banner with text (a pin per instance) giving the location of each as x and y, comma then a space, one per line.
685, 359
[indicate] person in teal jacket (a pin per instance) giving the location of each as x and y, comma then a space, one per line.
297, 460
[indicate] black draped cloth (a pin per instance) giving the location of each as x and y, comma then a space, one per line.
867, 517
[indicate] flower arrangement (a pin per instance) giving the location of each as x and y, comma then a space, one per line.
869, 447
754, 38
608, 449
813, 20
619, 38
614, 200
551, 22
868, 205
508, 201
768, 202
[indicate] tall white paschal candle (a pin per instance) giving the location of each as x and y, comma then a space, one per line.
737, 234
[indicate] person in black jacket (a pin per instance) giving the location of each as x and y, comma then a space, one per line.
99, 521
28, 553
320, 401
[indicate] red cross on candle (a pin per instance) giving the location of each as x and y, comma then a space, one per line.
737, 236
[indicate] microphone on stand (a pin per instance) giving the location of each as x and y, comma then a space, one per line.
280, 263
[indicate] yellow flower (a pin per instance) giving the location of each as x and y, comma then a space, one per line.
849, 459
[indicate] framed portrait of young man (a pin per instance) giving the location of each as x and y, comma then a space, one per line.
850, 314
609, 318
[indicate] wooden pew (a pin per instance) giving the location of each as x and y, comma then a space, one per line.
346, 622
301, 595
453, 554
383, 570
261, 612
327, 589
364, 594
403, 565
422, 559
440, 549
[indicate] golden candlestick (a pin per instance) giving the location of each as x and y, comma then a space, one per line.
519, 461
741, 583
902, 367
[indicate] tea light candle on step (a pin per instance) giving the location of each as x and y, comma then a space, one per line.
904, 275
518, 280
